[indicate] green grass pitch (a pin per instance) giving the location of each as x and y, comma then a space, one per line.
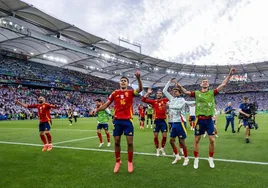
76, 161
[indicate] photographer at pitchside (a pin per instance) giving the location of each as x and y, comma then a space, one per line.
247, 114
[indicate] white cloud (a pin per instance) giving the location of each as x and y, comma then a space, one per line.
188, 31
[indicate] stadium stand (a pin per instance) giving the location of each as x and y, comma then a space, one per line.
66, 88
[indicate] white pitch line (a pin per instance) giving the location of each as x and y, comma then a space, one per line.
136, 153
74, 140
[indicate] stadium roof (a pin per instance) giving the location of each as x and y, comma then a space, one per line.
46, 39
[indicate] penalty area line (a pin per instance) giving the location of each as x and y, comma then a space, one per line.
75, 140
136, 153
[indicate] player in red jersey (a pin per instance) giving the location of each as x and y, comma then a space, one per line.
45, 120
123, 104
159, 106
141, 115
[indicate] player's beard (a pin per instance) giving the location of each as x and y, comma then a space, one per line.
41, 102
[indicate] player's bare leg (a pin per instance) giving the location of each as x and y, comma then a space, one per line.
181, 148
108, 138
247, 131
211, 151
196, 149
172, 142
100, 137
156, 143
240, 125
117, 149
216, 131
49, 140
185, 151
44, 140
192, 125
130, 150
141, 124
163, 143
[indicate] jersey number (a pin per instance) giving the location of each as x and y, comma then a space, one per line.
122, 101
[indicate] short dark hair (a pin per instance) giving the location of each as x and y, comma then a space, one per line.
245, 98
124, 78
204, 79
98, 100
159, 90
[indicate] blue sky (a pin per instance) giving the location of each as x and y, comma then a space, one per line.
183, 31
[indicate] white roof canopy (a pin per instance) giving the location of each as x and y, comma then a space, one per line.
28, 30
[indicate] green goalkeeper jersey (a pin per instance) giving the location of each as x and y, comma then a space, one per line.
112, 111
103, 116
205, 103
150, 110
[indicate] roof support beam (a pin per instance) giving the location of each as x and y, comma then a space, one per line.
58, 42
217, 75
258, 69
244, 70
55, 41
75, 62
160, 79
19, 37
46, 52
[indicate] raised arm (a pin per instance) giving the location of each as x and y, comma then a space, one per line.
108, 111
53, 106
225, 81
138, 77
190, 102
21, 103
149, 92
165, 90
183, 90
104, 106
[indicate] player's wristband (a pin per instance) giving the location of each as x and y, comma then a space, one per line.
135, 92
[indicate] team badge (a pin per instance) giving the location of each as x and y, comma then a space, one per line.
122, 96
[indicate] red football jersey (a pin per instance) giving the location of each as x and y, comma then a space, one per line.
159, 106
123, 103
43, 111
141, 111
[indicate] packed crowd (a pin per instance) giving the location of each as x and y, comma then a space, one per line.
18, 71
236, 87
81, 98
83, 103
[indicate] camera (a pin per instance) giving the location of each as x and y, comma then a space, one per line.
253, 107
